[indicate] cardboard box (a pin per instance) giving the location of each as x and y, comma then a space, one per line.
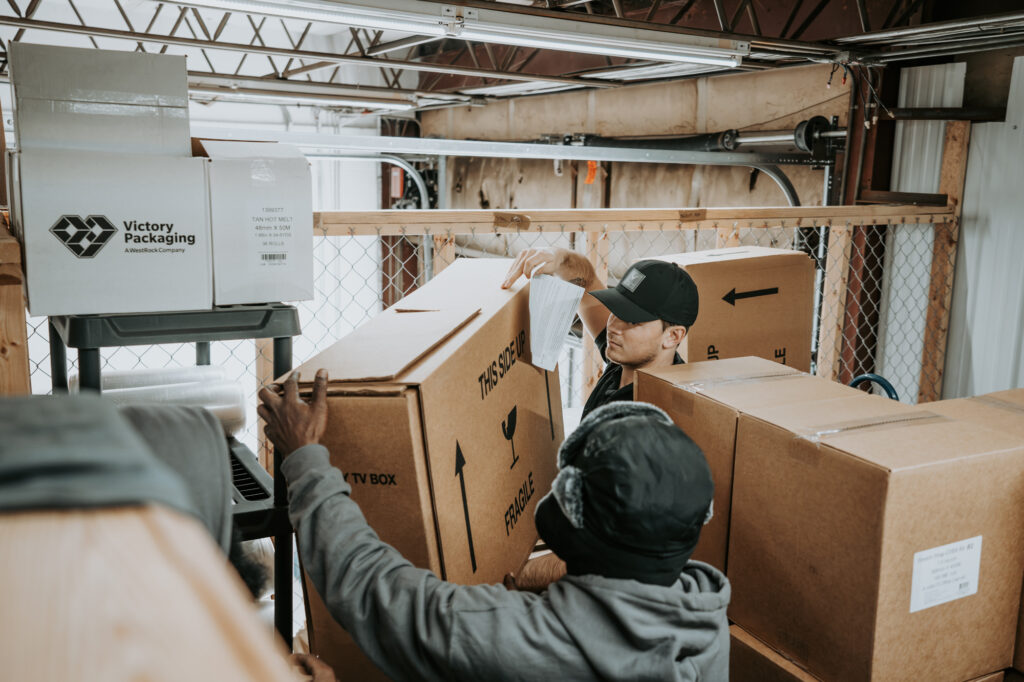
112, 233
71, 98
261, 212
753, 301
705, 400
445, 431
875, 540
751, 660
1004, 411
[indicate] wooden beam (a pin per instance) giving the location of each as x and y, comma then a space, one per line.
833, 306
598, 246
944, 249
264, 377
381, 223
14, 367
444, 252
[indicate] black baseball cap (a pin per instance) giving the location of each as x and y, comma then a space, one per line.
652, 290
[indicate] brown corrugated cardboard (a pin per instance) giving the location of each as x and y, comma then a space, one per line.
705, 400
1003, 410
875, 540
751, 660
445, 431
753, 301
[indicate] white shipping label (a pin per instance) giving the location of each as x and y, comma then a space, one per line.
944, 574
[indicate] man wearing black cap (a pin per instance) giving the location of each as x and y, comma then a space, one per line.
625, 513
637, 324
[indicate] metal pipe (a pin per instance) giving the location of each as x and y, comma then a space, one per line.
416, 176
980, 45
782, 180
975, 23
377, 62
349, 144
765, 138
712, 142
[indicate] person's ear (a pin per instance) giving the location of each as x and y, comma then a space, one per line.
673, 336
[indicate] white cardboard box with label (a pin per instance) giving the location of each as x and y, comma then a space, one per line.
112, 233
261, 209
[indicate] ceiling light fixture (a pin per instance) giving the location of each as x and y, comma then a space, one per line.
500, 26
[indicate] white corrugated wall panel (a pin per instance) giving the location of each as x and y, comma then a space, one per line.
917, 161
985, 351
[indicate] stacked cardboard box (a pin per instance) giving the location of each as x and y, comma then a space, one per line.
705, 399
873, 540
445, 431
113, 211
1004, 411
753, 301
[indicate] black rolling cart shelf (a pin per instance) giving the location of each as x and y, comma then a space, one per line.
261, 502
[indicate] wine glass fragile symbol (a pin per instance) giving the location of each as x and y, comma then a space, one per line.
508, 429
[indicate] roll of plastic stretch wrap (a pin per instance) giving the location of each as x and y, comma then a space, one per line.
225, 399
136, 378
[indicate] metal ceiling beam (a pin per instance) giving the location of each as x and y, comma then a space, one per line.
976, 25
374, 62
411, 41
506, 150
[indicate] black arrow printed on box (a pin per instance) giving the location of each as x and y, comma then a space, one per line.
460, 463
732, 296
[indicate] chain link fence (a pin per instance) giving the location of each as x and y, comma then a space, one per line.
873, 302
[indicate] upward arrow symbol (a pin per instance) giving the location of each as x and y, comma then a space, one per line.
732, 296
460, 464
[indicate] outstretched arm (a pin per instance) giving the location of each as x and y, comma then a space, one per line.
573, 268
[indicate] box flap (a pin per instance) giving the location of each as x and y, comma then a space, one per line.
232, 149
698, 374
886, 433
737, 253
101, 77
388, 344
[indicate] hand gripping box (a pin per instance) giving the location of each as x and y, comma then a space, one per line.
107, 233
705, 400
753, 301
446, 432
872, 540
1003, 410
261, 216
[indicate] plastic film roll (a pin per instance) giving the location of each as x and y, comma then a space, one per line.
225, 399
136, 378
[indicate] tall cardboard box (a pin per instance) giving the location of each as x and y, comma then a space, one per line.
72, 98
261, 215
753, 301
447, 434
107, 233
1003, 410
705, 400
872, 540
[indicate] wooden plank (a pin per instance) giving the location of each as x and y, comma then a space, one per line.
15, 378
264, 377
944, 249
874, 196
833, 306
615, 220
444, 252
598, 247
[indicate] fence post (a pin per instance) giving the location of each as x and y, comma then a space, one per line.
593, 363
833, 306
14, 372
944, 249
444, 252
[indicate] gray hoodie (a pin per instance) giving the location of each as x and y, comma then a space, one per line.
414, 626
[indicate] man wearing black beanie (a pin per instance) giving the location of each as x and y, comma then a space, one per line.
625, 513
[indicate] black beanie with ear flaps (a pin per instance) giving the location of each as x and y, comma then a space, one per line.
631, 496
